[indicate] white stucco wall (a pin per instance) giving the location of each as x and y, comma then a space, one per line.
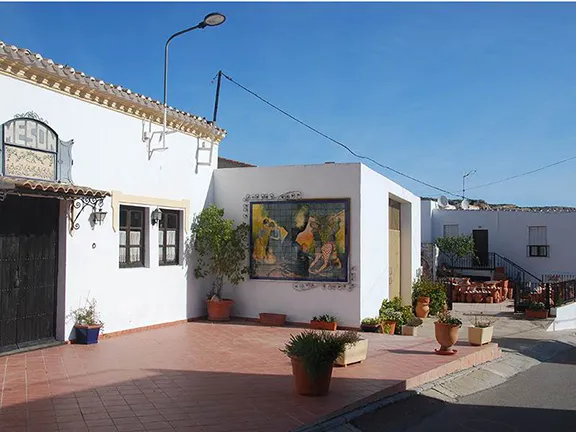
368, 192
427, 208
314, 181
109, 154
508, 235
565, 318
376, 190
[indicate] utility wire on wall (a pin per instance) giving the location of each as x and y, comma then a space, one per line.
335, 141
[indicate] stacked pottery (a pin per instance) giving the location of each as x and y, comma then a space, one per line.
423, 307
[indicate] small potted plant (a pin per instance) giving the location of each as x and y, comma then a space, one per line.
221, 252
272, 319
313, 354
389, 317
324, 322
87, 323
446, 332
480, 332
537, 310
371, 325
411, 326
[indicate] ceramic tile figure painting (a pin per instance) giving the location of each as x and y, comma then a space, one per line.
300, 240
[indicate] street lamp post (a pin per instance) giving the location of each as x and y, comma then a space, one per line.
464, 182
211, 20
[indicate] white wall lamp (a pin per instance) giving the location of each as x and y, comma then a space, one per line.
211, 20
156, 216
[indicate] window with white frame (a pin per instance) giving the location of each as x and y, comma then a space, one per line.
538, 241
169, 237
451, 230
132, 233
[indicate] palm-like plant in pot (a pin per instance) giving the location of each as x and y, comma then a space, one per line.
87, 323
221, 250
313, 354
446, 332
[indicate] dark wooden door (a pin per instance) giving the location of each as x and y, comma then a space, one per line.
28, 270
481, 247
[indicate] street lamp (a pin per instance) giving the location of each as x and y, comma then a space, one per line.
211, 20
464, 182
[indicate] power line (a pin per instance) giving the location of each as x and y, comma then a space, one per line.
335, 141
523, 174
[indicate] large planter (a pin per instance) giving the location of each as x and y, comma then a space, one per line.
371, 328
307, 386
423, 307
219, 310
446, 336
272, 319
354, 353
543, 314
409, 330
323, 325
388, 327
87, 335
478, 336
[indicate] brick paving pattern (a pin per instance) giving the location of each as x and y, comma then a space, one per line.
200, 377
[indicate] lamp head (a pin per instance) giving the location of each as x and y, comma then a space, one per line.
213, 19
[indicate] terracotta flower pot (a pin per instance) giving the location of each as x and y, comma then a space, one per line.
478, 298
323, 325
510, 293
388, 327
469, 297
307, 386
219, 310
446, 336
505, 292
272, 319
423, 307
489, 299
536, 314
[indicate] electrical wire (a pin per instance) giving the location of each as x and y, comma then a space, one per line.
335, 141
522, 174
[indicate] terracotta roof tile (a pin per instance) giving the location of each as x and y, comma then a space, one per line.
54, 187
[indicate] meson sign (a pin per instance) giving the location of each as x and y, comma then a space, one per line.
30, 133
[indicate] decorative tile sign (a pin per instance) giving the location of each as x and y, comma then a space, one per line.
21, 162
306, 240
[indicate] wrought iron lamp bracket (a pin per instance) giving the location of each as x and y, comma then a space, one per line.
81, 203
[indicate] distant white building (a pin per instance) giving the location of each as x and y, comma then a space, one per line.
89, 210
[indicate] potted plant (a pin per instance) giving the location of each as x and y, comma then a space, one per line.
87, 323
428, 296
324, 322
404, 310
371, 325
411, 326
446, 332
537, 310
480, 332
389, 318
221, 252
313, 354
354, 353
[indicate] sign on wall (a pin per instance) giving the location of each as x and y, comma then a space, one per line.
31, 149
300, 240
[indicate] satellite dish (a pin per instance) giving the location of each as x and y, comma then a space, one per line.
465, 204
443, 202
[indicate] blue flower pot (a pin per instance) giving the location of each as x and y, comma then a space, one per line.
87, 335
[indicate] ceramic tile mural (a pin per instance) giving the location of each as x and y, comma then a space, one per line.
300, 240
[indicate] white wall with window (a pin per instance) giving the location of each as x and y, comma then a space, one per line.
542, 243
451, 230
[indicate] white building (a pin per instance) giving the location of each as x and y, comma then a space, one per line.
540, 242
74, 146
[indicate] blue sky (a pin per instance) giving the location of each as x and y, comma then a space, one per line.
431, 89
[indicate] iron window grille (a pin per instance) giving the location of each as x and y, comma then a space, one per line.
132, 235
169, 238
538, 250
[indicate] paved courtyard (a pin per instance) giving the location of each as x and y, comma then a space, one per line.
201, 377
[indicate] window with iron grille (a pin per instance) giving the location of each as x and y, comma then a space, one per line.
169, 238
132, 233
538, 241
451, 230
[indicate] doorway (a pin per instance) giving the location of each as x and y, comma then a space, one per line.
480, 237
394, 248
28, 271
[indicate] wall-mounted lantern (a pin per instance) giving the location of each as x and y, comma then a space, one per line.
96, 217
156, 216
